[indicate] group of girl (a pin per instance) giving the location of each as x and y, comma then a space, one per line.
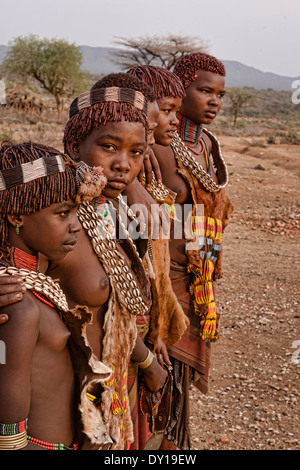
105, 332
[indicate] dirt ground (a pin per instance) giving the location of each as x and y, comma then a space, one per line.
254, 397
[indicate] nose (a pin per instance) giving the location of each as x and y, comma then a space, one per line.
121, 163
150, 138
174, 119
75, 225
215, 100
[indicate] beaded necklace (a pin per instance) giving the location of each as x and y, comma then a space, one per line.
188, 160
189, 131
43, 287
24, 260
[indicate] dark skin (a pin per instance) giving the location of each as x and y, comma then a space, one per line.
38, 367
10, 292
204, 97
150, 163
137, 192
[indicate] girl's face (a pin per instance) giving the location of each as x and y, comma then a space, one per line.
167, 120
52, 231
153, 115
204, 97
119, 148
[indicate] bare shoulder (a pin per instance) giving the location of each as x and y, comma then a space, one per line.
162, 152
26, 310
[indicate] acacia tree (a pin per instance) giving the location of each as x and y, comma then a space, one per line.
238, 98
55, 64
163, 51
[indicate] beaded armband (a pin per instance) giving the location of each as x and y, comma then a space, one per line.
13, 436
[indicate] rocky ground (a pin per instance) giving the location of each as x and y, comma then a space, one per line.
254, 397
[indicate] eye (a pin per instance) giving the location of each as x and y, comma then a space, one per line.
108, 147
137, 152
151, 128
64, 213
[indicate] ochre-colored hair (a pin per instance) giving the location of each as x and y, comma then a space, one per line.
189, 65
32, 196
81, 124
123, 81
164, 82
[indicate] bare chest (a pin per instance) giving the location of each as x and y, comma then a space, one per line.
54, 334
82, 276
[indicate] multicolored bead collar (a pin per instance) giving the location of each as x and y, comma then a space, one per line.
189, 131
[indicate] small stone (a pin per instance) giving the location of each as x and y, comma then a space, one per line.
259, 166
224, 439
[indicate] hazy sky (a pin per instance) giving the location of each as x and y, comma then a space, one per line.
261, 33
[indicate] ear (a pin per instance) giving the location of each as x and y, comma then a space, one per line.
15, 219
73, 150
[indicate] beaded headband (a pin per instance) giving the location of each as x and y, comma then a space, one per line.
104, 95
30, 171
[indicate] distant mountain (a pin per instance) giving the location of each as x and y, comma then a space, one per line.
240, 75
99, 60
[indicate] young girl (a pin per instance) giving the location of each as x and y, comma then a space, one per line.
38, 215
115, 133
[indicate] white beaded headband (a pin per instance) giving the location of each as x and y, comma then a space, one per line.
103, 95
30, 171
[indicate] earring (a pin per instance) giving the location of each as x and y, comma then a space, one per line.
17, 229
75, 158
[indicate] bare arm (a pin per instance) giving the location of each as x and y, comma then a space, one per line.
15, 390
161, 352
154, 375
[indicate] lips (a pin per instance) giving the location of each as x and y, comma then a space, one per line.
117, 183
171, 133
210, 113
70, 244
